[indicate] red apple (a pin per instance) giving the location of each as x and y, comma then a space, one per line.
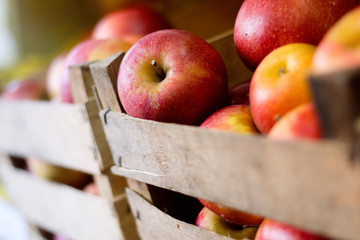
27, 88
212, 222
232, 215
235, 118
53, 76
262, 26
239, 93
92, 188
340, 48
86, 51
280, 83
273, 230
129, 24
172, 76
300, 123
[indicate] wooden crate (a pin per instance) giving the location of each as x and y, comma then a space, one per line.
71, 136
310, 184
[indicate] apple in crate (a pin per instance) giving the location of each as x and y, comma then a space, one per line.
129, 24
87, 51
300, 123
262, 26
273, 230
239, 93
55, 173
234, 118
53, 76
212, 222
172, 76
27, 88
280, 84
340, 48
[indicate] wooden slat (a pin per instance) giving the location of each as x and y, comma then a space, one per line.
236, 70
307, 184
57, 133
165, 227
105, 74
61, 209
81, 82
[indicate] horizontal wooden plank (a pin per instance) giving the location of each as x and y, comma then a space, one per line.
165, 227
311, 184
57, 133
61, 209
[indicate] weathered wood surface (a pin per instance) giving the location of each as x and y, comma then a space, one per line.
57, 133
105, 73
165, 227
81, 82
339, 116
307, 184
60, 208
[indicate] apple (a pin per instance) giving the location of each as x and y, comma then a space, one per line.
55, 173
300, 123
235, 118
239, 93
53, 76
273, 230
212, 222
172, 76
340, 48
129, 24
92, 188
27, 88
279, 84
232, 215
262, 26
86, 51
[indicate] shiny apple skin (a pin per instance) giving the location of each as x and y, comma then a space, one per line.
280, 83
300, 123
262, 26
195, 85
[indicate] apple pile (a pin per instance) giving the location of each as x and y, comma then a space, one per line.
115, 32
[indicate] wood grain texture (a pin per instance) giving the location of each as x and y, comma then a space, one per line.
308, 184
236, 70
59, 208
58, 133
337, 121
81, 82
105, 73
165, 227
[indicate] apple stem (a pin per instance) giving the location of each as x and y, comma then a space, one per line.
282, 71
159, 70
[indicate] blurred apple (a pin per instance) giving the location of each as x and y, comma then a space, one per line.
232, 215
239, 93
56, 173
262, 26
340, 48
280, 83
28, 88
92, 188
235, 118
212, 222
129, 24
86, 51
273, 230
300, 123
53, 76
172, 76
